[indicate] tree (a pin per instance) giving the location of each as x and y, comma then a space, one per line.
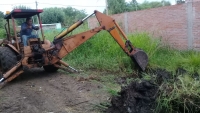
1, 14
180, 1
72, 15
120, 6
117, 6
148, 5
52, 15
2, 21
133, 6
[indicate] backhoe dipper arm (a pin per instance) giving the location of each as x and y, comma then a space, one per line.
67, 44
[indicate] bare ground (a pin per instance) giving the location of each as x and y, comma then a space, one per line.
37, 91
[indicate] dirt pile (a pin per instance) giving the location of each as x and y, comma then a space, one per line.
137, 97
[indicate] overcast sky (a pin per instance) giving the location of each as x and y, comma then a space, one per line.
88, 5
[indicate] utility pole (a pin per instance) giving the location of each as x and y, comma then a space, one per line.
36, 3
135, 3
163, 2
106, 7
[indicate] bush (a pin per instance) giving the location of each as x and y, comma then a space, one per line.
2, 33
52, 15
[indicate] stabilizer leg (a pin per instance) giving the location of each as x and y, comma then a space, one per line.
64, 67
16, 74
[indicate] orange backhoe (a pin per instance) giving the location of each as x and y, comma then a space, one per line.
15, 58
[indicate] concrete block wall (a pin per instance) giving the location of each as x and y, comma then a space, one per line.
177, 25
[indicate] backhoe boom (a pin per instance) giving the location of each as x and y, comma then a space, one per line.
67, 44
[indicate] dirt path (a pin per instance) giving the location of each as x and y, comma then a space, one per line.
39, 92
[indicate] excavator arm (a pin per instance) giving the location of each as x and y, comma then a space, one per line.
65, 45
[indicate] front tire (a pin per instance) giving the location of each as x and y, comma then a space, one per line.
8, 59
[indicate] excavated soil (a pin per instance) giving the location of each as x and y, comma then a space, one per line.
37, 91
137, 97
140, 96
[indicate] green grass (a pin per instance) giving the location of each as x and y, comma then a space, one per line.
180, 96
2, 33
102, 53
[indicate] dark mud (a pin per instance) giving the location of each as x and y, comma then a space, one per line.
138, 97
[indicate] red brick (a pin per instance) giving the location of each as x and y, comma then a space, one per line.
169, 22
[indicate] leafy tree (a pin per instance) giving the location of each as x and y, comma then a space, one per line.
52, 15
72, 15
148, 5
117, 6
2, 21
1, 14
154, 4
133, 6
120, 6
180, 1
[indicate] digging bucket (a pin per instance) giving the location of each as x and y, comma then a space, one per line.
140, 58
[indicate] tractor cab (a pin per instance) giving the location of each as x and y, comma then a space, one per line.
13, 31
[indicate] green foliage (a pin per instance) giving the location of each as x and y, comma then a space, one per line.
133, 6
116, 6
72, 15
180, 1
112, 92
66, 16
2, 21
2, 33
154, 4
52, 15
100, 52
120, 6
181, 96
1, 14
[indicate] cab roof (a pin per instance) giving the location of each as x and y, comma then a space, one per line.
23, 13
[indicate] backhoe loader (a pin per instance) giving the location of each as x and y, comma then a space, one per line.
15, 58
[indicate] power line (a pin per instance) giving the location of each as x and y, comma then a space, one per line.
53, 4
16, 3
36, 3
70, 5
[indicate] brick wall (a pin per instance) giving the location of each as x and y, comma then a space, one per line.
178, 25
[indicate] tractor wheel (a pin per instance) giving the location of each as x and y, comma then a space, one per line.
50, 68
8, 59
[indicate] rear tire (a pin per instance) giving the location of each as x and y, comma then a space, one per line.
50, 68
8, 59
